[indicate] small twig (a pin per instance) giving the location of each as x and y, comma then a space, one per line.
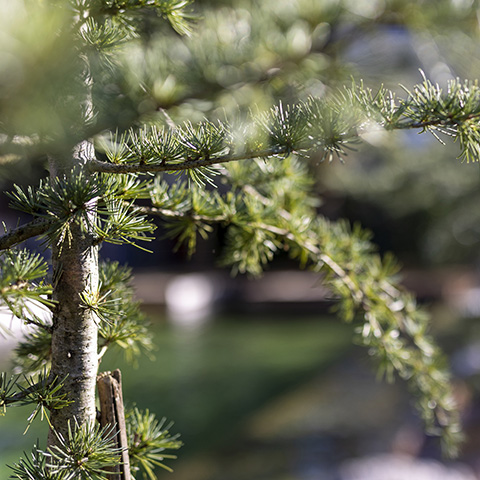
47, 328
357, 294
25, 392
102, 352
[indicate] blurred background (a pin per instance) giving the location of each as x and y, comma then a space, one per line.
260, 378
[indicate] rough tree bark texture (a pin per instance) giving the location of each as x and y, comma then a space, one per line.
74, 340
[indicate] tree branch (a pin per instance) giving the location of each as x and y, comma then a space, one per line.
20, 234
450, 121
24, 393
38, 324
166, 213
95, 165
99, 166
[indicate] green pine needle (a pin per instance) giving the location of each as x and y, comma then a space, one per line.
149, 441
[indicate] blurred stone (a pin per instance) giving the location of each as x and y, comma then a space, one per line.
397, 467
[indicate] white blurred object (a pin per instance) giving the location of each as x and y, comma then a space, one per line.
189, 299
468, 301
12, 329
402, 467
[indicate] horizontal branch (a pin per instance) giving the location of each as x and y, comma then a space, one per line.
436, 122
167, 213
95, 165
105, 167
20, 234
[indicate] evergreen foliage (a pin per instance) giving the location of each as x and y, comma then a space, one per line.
254, 182
148, 440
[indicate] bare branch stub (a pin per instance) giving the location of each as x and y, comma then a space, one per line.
109, 385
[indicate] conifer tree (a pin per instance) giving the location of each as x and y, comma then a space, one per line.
110, 160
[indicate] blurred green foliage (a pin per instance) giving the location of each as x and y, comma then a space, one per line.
243, 53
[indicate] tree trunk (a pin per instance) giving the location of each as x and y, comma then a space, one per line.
74, 339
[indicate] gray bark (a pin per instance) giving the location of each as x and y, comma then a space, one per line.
20, 234
74, 339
